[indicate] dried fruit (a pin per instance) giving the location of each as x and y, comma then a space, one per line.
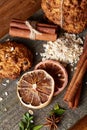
35, 89
57, 71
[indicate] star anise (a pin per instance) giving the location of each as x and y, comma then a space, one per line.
52, 122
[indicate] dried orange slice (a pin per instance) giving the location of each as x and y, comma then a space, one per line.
35, 89
57, 71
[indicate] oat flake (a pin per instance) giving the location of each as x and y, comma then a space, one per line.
1, 99
66, 49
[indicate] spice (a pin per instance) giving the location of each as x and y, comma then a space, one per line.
55, 117
52, 122
33, 30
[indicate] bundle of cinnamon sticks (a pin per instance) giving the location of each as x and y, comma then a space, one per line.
73, 92
33, 30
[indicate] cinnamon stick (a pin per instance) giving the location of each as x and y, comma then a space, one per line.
24, 33
70, 104
79, 66
72, 95
16, 32
18, 24
17, 20
77, 83
46, 37
85, 44
46, 25
48, 30
44, 28
76, 99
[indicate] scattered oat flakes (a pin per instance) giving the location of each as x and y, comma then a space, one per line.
66, 49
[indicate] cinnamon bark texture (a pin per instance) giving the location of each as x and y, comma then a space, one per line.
74, 104
33, 30
73, 92
21, 9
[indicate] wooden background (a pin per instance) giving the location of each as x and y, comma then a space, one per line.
21, 9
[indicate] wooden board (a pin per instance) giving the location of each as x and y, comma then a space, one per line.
20, 9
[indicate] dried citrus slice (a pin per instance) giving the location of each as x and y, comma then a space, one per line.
35, 89
57, 71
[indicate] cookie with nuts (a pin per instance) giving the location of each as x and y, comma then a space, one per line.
14, 59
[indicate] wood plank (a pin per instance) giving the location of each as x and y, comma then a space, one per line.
21, 9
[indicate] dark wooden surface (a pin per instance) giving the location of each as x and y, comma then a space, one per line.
11, 110
20, 9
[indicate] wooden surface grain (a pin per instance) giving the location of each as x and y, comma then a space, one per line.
20, 9
81, 124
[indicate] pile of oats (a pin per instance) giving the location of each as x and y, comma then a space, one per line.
66, 48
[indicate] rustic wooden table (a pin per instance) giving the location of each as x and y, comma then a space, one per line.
11, 110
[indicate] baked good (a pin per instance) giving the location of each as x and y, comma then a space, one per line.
71, 15
14, 58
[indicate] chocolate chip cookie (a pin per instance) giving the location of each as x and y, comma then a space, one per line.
14, 59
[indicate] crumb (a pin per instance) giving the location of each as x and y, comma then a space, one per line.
6, 94
7, 81
85, 82
59, 75
5, 109
36, 53
12, 48
4, 84
8, 39
31, 112
17, 82
1, 99
75, 68
32, 121
72, 69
